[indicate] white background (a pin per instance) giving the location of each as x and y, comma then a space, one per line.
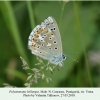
5, 94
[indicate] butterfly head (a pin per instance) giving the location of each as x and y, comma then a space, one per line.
64, 57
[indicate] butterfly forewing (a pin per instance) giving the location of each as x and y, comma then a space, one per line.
54, 28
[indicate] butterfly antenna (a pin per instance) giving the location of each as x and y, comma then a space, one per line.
72, 58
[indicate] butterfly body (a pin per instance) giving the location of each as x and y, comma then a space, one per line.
45, 42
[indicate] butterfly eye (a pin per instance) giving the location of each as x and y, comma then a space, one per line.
64, 57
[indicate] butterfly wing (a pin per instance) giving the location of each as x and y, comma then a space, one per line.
37, 45
44, 40
52, 25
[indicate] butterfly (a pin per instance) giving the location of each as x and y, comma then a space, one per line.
45, 42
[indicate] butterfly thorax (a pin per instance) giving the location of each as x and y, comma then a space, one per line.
58, 60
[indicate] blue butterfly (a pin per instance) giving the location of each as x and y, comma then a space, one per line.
45, 42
